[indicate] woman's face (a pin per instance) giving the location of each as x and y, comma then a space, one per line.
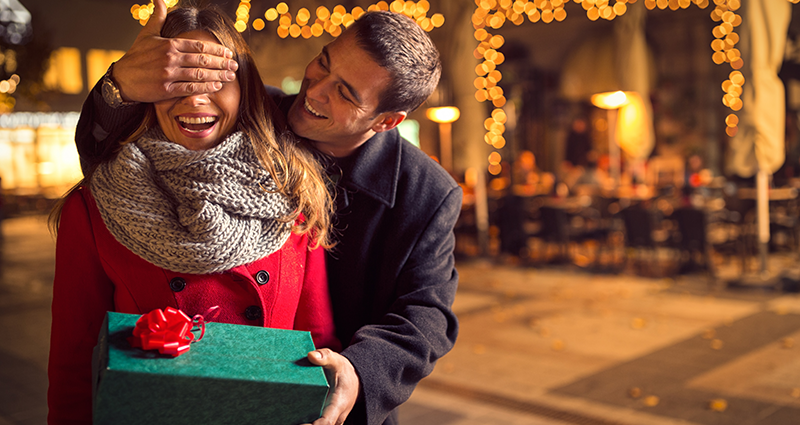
200, 121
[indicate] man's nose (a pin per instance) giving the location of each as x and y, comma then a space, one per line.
319, 89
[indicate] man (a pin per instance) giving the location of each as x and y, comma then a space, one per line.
392, 276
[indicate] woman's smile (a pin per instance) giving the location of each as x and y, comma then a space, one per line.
200, 121
196, 126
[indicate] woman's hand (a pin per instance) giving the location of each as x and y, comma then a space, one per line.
157, 68
346, 386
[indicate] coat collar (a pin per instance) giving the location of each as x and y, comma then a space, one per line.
377, 161
376, 167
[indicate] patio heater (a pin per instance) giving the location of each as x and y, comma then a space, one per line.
612, 101
445, 116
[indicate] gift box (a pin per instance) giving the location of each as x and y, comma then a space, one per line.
236, 374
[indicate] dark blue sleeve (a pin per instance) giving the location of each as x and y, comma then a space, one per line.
101, 127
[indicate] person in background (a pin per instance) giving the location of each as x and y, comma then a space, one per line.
392, 273
210, 203
579, 142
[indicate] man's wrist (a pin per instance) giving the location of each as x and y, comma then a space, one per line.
111, 93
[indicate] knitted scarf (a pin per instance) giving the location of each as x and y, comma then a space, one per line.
191, 211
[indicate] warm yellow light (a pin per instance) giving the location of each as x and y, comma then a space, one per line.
97, 62
323, 13
409, 8
397, 6
64, 71
737, 78
610, 100
443, 114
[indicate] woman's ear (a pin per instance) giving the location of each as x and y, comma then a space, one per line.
388, 121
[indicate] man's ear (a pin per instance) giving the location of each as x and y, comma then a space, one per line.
388, 121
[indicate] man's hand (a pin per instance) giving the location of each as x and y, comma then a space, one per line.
157, 68
346, 386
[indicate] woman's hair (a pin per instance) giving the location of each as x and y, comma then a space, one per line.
289, 160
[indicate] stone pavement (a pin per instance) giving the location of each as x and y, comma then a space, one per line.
538, 346
617, 349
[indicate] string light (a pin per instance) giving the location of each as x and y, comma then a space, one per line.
242, 16
492, 15
142, 12
306, 24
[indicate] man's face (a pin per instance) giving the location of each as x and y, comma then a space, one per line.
336, 105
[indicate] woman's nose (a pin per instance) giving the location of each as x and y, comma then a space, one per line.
196, 100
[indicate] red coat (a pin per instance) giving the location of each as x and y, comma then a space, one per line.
94, 274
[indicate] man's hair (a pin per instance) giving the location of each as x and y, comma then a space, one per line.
403, 48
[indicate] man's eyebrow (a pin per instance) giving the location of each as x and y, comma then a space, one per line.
347, 85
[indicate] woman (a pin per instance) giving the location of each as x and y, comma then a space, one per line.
191, 214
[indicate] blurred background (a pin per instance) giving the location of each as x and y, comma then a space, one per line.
629, 235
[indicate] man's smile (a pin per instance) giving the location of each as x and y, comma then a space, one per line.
311, 110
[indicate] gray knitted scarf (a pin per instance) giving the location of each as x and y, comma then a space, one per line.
190, 211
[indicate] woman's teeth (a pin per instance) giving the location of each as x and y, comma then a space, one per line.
196, 124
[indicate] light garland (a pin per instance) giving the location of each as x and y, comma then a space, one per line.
142, 12
323, 20
304, 24
492, 15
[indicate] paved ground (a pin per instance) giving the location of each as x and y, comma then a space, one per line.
538, 346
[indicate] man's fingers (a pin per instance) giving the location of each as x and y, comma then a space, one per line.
188, 89
321, 357
217, 51
156, 21
201, 75
345, 386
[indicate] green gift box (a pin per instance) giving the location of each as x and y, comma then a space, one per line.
236, 374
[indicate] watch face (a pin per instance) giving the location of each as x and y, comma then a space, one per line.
110, 93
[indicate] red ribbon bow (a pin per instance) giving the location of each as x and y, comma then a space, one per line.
168, 331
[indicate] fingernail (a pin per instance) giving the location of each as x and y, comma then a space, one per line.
228, 53
230, 76
233, 65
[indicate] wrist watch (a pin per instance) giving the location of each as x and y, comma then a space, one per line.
111, 92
